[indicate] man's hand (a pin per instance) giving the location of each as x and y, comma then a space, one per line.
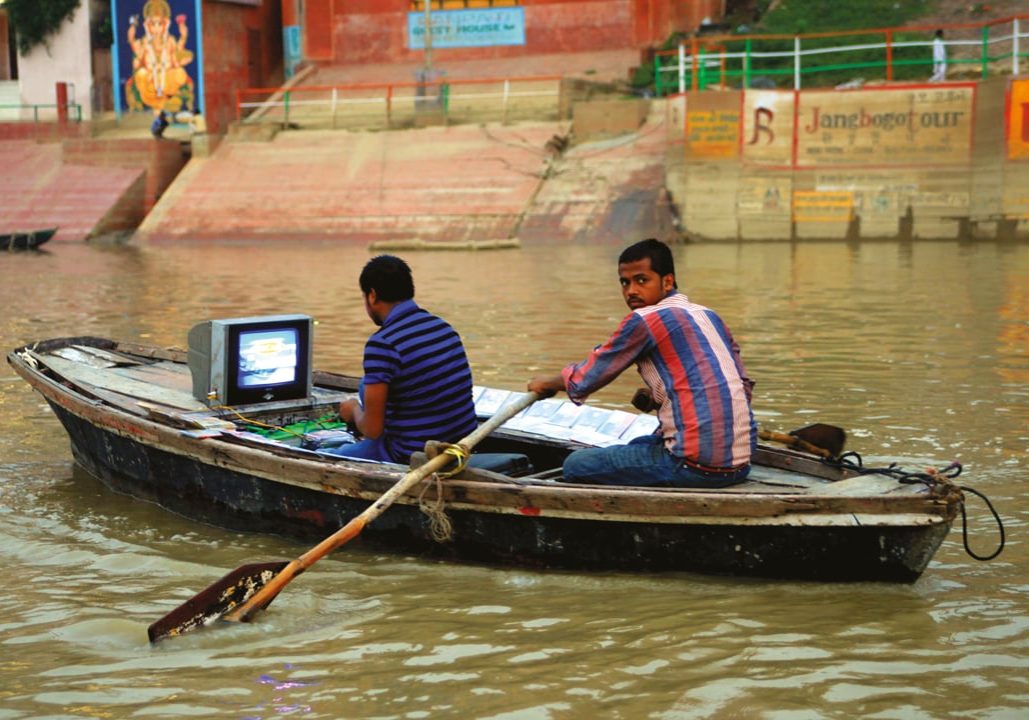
546, 385
348, 410
643, 400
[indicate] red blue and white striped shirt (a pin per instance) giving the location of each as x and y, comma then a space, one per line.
689, 360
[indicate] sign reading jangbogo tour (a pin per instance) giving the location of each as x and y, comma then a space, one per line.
468, 28
885, 127
869, 127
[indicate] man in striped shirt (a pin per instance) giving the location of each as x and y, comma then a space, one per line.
417, 384
692, 367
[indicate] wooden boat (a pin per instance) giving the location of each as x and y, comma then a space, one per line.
134, 423
25, 240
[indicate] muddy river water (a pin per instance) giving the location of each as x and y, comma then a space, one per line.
920, 350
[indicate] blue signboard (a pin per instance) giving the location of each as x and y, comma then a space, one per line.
291, 45
467, 28
157, 60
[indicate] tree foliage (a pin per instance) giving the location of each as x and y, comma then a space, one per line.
34, 21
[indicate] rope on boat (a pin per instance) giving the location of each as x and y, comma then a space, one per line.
440, 526
932, 479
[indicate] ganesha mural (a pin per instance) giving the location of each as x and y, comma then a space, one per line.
157, 61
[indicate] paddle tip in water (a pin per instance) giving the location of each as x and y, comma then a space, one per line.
214, 601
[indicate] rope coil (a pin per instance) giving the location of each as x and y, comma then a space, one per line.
939, 484
440, 527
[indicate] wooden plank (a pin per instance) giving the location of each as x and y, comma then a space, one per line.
112, 357
863, 486
92, 377
76, 354
166, 374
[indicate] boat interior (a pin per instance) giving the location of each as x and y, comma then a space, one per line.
156, 384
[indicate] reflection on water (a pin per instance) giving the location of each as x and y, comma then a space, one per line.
919, 350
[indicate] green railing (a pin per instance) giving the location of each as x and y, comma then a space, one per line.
74, 112
830, 59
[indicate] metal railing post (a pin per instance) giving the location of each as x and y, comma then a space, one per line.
335, 100
285, 106
694, 51
796, 62
986, 51
746, 64
507, 91
1014, 48
889, 55
682, 68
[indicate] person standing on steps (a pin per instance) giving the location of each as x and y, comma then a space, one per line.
939, 58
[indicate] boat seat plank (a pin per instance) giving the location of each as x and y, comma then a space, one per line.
97, 378
865, 485
163, 373
115, 358
75, 354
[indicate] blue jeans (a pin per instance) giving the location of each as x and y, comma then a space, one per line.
644, 461
366, 449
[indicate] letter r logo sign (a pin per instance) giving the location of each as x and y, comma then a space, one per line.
762, 124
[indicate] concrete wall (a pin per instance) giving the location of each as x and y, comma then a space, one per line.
920, 161
67, 59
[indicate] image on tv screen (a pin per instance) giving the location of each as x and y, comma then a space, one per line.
267, 357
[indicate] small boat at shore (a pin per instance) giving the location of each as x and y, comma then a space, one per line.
135, 424
29, 240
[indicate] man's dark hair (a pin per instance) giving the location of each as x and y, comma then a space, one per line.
660, 256
389, 276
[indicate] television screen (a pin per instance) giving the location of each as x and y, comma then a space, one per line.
240, 361
267, 357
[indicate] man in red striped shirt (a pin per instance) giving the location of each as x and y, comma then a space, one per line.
692, 367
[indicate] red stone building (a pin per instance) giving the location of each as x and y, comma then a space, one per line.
339, 32
242, 48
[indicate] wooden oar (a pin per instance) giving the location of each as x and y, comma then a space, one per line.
826, 441
242, 593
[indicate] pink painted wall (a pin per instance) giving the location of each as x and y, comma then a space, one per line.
374, 31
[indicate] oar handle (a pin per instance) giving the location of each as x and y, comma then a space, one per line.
794, 442
353, 528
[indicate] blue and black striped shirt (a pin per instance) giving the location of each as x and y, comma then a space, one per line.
422, 359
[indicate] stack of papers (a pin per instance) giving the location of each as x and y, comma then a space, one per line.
564, 420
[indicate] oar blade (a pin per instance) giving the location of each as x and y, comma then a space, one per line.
829, 437
215, 600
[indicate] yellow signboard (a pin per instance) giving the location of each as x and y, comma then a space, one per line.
818, 206
713, 133
1018, 120
885, 126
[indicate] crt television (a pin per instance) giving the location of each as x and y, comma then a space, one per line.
242, 361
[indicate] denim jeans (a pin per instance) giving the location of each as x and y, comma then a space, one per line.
366, 449
644, 461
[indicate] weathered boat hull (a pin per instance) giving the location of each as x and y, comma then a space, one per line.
238, 500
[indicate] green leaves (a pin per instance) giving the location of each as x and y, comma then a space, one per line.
36, 20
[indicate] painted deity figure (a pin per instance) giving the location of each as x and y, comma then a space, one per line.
159, 79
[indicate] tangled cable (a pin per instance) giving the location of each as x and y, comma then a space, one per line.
932, 479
